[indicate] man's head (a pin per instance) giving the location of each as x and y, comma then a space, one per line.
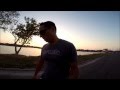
47, 31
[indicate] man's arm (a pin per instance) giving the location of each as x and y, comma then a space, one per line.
74, 71
38, 68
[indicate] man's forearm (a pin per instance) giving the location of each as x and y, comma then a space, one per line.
37, 70
38, 67
74, 71
74, 74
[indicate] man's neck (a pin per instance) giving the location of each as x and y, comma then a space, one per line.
55, 40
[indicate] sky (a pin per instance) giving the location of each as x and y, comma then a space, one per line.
85, 29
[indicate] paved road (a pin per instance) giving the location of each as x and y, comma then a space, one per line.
17, 73
107, 67
102, 68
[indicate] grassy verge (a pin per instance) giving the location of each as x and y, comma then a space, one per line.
21, 61
17, 61
85, 58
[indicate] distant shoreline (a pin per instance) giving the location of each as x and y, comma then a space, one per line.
28, 46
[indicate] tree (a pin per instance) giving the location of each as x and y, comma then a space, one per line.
8, 18
23, 33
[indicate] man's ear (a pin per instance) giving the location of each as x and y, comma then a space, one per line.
53, 28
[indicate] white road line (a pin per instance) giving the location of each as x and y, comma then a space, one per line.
90, 62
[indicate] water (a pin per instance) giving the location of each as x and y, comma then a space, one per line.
24, 51
31, 51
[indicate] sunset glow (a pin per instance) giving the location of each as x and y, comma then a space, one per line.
85, 29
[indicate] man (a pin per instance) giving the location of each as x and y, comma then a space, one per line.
58, 56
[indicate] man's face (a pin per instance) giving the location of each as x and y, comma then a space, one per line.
45, 33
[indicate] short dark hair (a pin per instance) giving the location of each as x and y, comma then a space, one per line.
48, 24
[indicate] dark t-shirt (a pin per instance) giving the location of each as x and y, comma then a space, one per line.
57, 59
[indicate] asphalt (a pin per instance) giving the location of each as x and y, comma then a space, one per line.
13, 73
106, 67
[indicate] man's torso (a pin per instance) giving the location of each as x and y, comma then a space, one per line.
56, 59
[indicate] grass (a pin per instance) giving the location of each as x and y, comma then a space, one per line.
17, 61
86, 58
21, 61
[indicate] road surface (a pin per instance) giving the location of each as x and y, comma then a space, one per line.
106, 67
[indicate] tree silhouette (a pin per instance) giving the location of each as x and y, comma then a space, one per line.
23, 33
8, 18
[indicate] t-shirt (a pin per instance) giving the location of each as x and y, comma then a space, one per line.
57, 59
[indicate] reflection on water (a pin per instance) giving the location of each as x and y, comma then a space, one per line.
31, 51
24, 51
86, 53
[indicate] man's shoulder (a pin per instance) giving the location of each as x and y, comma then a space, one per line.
44, 46
65, 42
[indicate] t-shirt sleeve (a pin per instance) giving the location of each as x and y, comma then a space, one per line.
72, 53
42, 50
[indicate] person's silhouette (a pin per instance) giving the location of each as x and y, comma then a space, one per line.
59, 56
